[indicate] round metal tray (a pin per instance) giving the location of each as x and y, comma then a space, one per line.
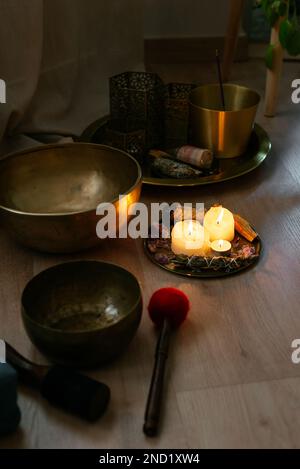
224, 169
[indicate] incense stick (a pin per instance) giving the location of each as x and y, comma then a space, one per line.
220, 79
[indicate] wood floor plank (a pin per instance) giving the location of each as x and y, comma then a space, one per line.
255, 415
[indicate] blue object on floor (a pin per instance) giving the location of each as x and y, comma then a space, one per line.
9, 411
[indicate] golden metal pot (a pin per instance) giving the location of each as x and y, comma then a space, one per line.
49, 194
227, 132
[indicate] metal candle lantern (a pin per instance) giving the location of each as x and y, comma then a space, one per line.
177, 114
137, 99
119, 135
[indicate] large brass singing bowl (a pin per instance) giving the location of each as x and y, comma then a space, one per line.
49, 194
226, 133
82, 313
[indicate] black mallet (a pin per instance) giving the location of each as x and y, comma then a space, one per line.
75, 393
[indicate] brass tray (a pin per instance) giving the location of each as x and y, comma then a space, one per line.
223, 170
217, 266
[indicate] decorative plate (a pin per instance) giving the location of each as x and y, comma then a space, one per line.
244, 254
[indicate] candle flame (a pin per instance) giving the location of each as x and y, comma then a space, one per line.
190, 228
221, 242
220, 216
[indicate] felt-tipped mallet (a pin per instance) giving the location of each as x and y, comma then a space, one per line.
168, 308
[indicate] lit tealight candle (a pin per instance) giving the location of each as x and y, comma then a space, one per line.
220, 223
221, 247
189, 237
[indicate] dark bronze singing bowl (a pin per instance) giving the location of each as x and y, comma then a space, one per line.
49, 194
82, 313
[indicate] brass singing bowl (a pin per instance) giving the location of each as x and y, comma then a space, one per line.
49, 194
226, 133
82, 313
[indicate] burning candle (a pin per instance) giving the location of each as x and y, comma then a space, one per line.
221, 247
191, 238
220, 223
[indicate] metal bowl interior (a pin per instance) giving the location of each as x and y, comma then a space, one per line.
65, 178
236, 97
82, 313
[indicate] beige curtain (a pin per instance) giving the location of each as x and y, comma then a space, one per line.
56, 57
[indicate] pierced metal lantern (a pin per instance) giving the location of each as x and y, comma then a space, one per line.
137, 99
132, 141
177, 114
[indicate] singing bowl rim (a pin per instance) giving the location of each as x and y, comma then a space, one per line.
225, 85
38, 148
28, 318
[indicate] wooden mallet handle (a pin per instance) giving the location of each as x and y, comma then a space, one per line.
152, 414
29, 373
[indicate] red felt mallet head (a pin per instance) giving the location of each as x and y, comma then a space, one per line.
168, 303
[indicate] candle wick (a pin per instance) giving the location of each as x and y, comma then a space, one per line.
220, 217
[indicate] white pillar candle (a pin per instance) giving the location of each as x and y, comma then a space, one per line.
220, 223
189, 237
221, 247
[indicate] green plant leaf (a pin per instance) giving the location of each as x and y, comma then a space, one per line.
289, 36
269, 56
293, 42
274, 9
285, 32
289, 32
